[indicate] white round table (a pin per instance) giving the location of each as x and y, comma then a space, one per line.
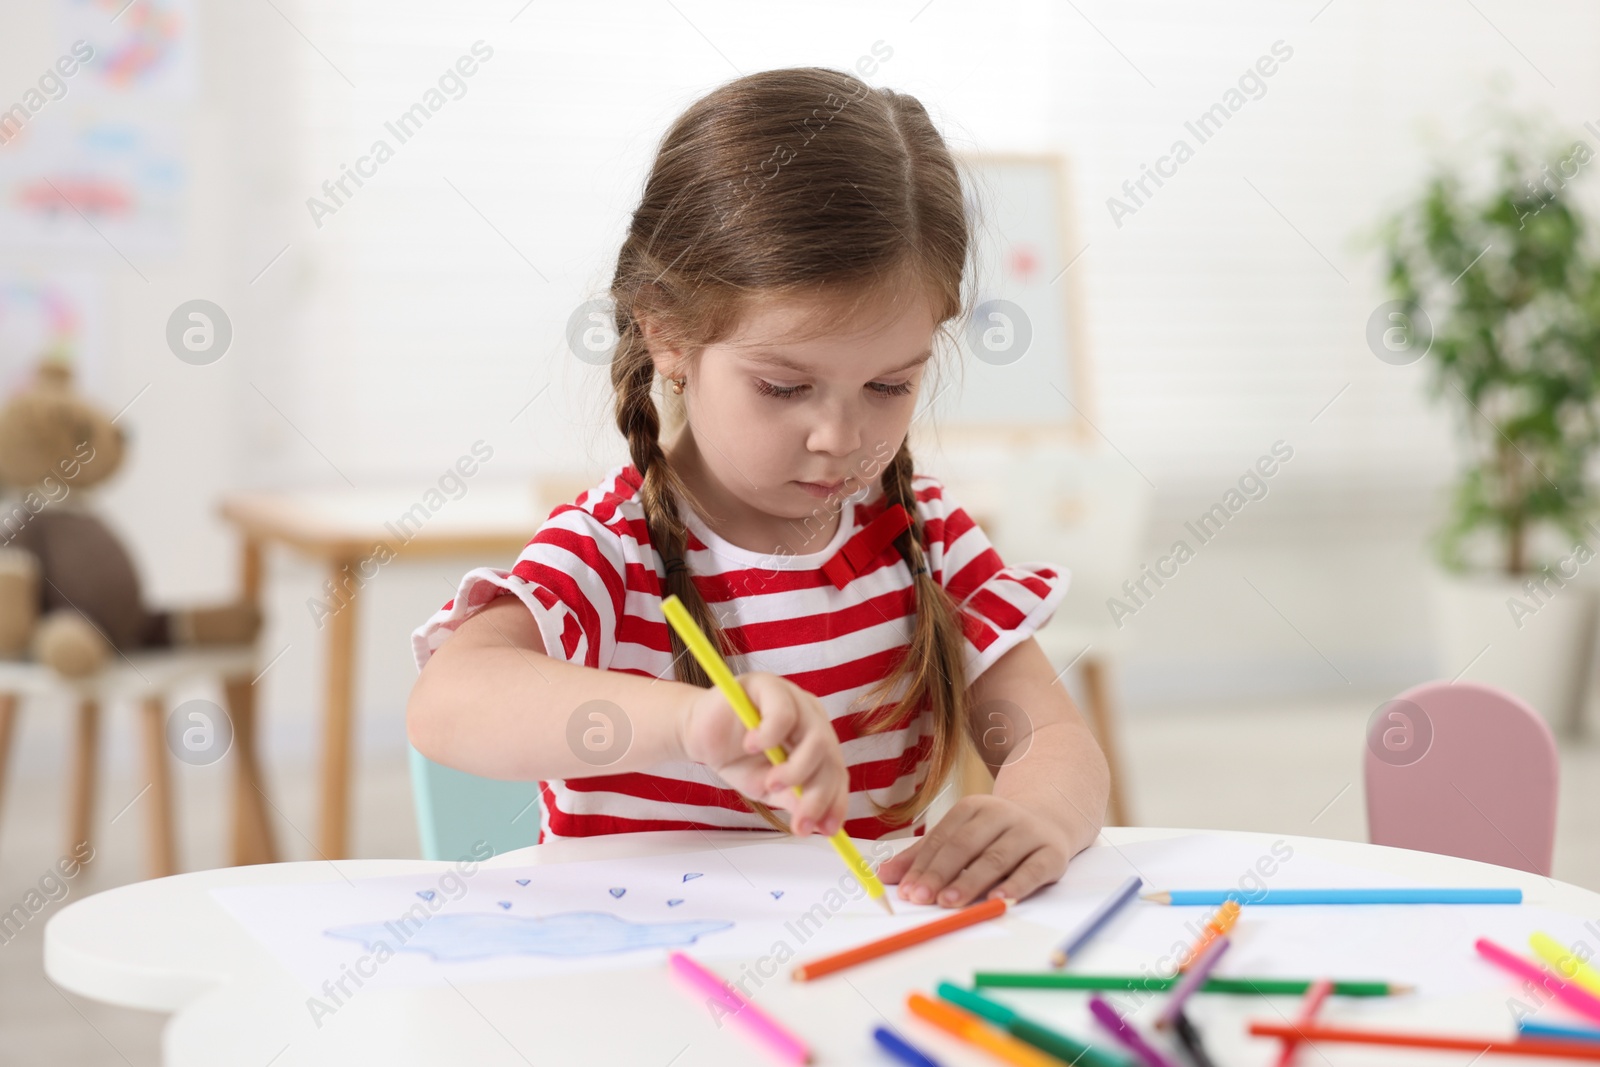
167, 945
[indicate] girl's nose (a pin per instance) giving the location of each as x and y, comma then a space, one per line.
836, 433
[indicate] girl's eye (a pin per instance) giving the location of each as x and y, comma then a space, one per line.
782, 392
786, 392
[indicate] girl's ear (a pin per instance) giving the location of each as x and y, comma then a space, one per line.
669, 362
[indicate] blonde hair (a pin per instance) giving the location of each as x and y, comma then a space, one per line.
808, 183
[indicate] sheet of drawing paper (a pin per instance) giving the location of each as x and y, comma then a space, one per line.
1428, 945
787, 900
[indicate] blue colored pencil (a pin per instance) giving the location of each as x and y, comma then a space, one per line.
1580, 1033
1448, 895
902, 1049
1098, 918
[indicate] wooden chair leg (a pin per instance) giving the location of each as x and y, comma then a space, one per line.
1102, 717
252, 831
333, 837
163, 856
84, 764
8, 723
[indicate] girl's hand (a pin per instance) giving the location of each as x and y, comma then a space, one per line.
984, 846
791, 718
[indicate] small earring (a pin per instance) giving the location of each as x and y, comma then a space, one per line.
677, 384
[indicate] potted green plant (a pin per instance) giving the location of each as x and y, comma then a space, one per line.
1499, 291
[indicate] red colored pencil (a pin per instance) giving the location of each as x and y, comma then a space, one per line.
1526, 1046
1308, 1012
968, 916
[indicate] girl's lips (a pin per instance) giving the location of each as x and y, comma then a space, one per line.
816, 489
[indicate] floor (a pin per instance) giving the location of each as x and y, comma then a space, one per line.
1289, 770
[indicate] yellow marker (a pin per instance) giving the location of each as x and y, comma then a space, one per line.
1568, 966
723, 678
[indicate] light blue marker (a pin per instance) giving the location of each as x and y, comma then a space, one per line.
1453, 895
1581, 1033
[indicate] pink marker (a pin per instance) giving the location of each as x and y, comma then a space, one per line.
787, 1046
1575, 996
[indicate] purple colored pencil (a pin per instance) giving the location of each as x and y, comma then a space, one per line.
1098, 918
1192, 979
1124, 1032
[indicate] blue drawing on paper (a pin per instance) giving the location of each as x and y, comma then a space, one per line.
506, 904
522, 881
690, 877
777, 894
617, 892
478, 935
426, 894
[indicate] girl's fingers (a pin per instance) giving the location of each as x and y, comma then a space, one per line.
1038, 868
893, 869
960, 813
778, 709
941, 860
997, 861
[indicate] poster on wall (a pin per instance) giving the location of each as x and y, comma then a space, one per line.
96, 183
51, 314
142, 48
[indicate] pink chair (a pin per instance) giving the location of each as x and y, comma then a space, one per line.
1463, 769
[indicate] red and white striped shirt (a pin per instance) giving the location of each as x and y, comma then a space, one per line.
832, 622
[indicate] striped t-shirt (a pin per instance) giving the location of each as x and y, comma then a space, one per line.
832, 622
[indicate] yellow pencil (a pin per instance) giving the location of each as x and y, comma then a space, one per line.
699, 644
1567, 965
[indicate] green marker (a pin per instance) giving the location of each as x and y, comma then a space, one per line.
1152, 984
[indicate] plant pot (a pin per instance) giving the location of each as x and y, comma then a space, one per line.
1541, 651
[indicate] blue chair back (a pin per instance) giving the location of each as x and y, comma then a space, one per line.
456, 810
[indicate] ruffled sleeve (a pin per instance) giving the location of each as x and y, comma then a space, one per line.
1002, 604
569, 576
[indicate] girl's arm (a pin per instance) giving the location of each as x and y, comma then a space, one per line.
1048, 760
490, 702
1048, 804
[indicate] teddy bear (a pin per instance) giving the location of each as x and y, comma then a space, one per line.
69, 591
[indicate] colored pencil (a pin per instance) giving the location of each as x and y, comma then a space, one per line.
1575, 996
1152, 984
1226, 915
780, 1041
1528, 1046
901, 1049
717, 670
1124, 1032
970, 915
1119, 898
1571, 1033
1444, 895
1190, 982
1192, 1044
1566, 964
1036, 1034
1308, 1012
975, 1031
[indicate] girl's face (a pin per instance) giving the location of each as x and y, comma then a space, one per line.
780, 431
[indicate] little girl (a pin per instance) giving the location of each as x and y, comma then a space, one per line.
800, 242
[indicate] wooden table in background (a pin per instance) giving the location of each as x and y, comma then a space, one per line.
488, 524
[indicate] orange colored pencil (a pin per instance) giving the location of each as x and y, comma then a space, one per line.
968, 916
1219, 923
1308, 1012
1524, 1046
974, 1030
